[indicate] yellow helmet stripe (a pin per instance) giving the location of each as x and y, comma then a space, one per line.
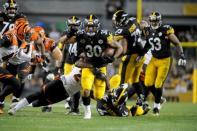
154, 13
121, 94
12, 3
90, 18
118, 12
73, 19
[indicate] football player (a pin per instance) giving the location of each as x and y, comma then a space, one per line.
52, 92
9, 16
19, 64
93, 41
43, 46
159, 36
71, 55
128, 34
114, 104
8, 49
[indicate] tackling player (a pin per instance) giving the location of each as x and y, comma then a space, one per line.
71, 54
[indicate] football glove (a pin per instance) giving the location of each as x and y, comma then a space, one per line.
182, 60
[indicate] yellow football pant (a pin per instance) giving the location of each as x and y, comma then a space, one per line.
67, 68
130, 70
88, 81
157, 71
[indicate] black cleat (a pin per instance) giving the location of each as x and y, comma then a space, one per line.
73, 112
46, 109
156, 111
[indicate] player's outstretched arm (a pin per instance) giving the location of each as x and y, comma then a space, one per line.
176, 42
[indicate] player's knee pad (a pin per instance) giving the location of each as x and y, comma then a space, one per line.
86, 92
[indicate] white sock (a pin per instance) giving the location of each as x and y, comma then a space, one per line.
87, 108
14, 97
157, 105
21, 104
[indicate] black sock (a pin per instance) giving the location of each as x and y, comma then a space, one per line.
33, 97
138, 90
5, 92
158, 94
86, 100
76, 98
131, 91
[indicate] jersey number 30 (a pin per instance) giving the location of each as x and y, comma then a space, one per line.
93, 50
155, 43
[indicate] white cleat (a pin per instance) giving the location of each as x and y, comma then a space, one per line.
11, 111
87, 112
87, 115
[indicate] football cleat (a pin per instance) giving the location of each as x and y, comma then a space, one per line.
87, 113
73, 112
11, 111
46, 109
156, 111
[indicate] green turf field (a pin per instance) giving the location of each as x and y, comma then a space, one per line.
173, 117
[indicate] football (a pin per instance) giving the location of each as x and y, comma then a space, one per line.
109, 51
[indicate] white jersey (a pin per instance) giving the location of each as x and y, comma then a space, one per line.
21, 56
70, 84
4, 52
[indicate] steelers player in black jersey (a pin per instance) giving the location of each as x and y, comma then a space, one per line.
159, 36
93, 41
71, 55
128, 34
9, 16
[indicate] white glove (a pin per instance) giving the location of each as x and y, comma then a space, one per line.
50, 77
182, 60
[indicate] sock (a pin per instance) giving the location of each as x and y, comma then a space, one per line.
87, 108
86, 101
158, 94
157, 105
21, 104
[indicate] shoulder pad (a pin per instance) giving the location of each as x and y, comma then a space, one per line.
168, 29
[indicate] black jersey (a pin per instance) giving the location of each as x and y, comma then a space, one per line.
158, 39
94, 46
131, 33
71, 51
8, 23
105, 106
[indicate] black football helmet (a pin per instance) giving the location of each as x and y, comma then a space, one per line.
10, 8
120, 95
91, 25
119, 18
74, 23
155, 20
